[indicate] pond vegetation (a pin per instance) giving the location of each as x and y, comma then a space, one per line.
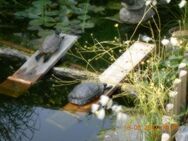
102, 40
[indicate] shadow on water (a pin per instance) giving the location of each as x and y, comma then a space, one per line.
37, 115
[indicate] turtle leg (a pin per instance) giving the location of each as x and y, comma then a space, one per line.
46, 57
37, 58
109, 87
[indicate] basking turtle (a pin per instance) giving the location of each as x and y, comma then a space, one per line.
50, 45
86, 92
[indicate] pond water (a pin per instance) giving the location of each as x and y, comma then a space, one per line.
22, 123
37, 115
27, 119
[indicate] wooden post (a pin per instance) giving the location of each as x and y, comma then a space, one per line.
176, 99
182, 66
183, 77
183, 95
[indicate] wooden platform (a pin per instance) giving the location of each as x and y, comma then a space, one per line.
33, 70
117, 71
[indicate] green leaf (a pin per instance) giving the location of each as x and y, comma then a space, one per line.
84, 17
96, 9
75, 22
113, 5
43, 33
34, 28
21, 14
52, 13
87, 25
36, 22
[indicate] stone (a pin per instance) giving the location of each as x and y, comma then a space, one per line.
135, 16
182, 133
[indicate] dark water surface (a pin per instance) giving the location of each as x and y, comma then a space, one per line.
41, 124
26, 118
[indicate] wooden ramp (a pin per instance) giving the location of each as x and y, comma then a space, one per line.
115, 73
32, 70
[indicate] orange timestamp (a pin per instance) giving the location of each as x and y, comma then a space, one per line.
152, 127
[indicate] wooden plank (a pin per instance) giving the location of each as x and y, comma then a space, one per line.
74, 73
117, 71
70, 71
125, 63
33, 70
41, 68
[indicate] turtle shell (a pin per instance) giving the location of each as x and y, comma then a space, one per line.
51, 44
85, 92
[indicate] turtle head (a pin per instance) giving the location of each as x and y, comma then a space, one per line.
106, 86
59, 34
57, 31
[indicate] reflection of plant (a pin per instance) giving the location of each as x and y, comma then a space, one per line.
16, 122
70, 16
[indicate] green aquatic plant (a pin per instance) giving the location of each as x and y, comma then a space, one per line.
70, 16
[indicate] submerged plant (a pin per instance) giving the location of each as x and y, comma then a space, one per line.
70, 16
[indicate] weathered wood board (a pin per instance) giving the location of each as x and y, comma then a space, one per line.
74, 73
117, 71
33, 70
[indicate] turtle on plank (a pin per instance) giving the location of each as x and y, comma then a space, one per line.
50, 45
86, 92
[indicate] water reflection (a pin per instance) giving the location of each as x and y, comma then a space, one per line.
24, 119
23, 123
15, 121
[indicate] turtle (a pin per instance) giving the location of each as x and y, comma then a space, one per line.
85, 92
50, 45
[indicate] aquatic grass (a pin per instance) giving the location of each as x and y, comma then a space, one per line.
104, 52
152, 82
59, 82
152, 79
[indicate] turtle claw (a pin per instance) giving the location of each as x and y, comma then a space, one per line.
46, 58
37, 58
